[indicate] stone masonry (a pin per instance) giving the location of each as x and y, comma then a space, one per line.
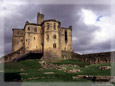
46, 37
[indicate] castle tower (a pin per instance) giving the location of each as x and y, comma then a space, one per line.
51, 46
66, 38
32, 38
40, 18
17, 39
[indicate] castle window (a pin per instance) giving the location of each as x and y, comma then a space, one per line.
18, 32
28, 28
21, 40
66, 36
26, 40
54, 26
47, 37
48, 26
35, 29
34, 38
54, 36
54, 45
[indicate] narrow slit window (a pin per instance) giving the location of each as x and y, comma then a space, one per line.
54, 45
35, 29
47, 37
34, 38
54, 26
18, 32
54, 36
28, 28
48, 26
66, 36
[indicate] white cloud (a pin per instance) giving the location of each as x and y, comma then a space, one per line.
88, 17
105, 26
74, 38
107, 29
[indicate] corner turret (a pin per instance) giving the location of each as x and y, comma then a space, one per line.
40, 18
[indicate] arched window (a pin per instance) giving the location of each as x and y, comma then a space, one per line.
54, 45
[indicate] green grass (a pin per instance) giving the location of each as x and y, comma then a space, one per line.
94, 70
32, 68
71, 61
26, 65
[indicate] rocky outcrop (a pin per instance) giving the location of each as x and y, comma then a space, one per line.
93, 78
104, 67
73, 71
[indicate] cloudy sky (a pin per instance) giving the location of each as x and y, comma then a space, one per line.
93, 22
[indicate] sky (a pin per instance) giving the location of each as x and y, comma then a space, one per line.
92, 23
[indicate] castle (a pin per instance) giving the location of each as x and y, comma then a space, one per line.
47, 40
47, 37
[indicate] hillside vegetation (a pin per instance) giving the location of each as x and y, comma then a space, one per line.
33, 70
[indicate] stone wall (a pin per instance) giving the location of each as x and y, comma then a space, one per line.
51, 45
66, 54
66, 39
32, 37
17, 39
47, 37
13, 55
95, 58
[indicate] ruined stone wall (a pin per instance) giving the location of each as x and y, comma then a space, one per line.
33, 38
95, 58
66, 54
51, 44
17, 39
13, 55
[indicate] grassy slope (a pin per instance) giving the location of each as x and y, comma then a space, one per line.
33, 69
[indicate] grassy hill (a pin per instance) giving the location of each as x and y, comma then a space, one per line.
31, 70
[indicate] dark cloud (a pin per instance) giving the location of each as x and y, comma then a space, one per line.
67, 15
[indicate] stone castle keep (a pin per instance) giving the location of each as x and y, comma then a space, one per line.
47, 37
